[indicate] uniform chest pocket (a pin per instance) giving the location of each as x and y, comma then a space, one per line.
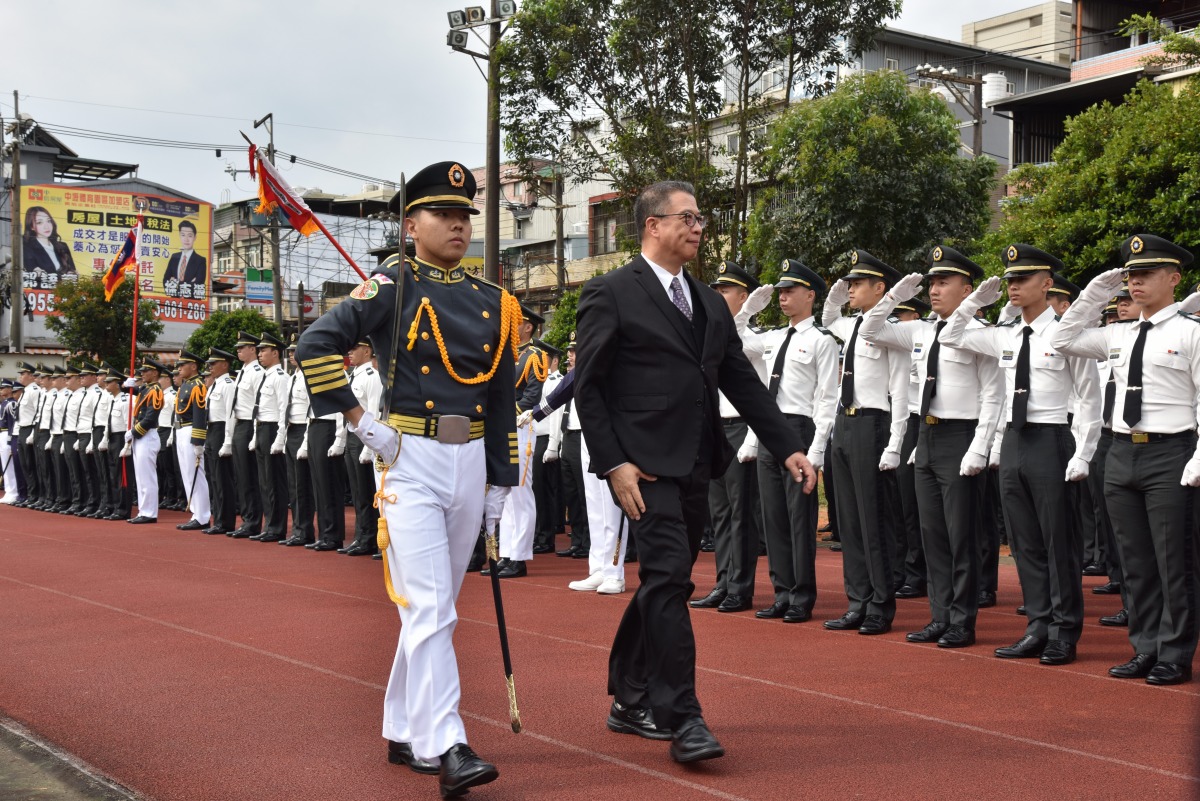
867, 350
957, 355
802, 356
1051, 361
1171, 359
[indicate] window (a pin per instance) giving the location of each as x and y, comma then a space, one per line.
610, 224
892, 63
731, 143
225, 261
1010, 87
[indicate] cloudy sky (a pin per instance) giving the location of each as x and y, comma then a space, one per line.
364, 85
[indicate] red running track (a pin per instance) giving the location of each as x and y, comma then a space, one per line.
194, 668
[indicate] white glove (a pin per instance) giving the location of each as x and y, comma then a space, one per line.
994, 459
253, 443
1077, 469
128, 449
748, 452
226, 450
103, 444
906, 288
1191, 473
912, 457
816, 458
75, 446
759, 299
365, 456
493, 505
171, 438
380, 438
276, 448
551, 455
198, 451
1190, 304
336, 450
839, 293
987, 293
1009, 312
49, 442
89, 450
302, 451
890, 460
129, 435
129, 383
524, 418
29, 440
972, 464
1102, 288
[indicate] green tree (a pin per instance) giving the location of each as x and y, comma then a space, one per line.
558, 332
1178, 49
872, 165
85, 322
221, 328
1121, 170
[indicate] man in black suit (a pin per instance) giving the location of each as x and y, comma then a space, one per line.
186, 263
656, 345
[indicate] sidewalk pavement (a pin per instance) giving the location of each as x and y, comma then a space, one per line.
33, 770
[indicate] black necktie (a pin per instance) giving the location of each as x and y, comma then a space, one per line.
1110, 397
931, 370
848, 368
287, 410
1132, 412
1020, 400
233, 406
777, 369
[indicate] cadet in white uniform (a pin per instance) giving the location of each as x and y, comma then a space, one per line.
213, 421
239, 434
272, 465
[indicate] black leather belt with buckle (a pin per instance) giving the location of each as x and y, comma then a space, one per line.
1143, 437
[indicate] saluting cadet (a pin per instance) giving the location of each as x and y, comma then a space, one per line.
168, 471
961, 395
293, 431
867, 436
8, 450
122, 476
1039, 458
909, 551
143, 441
27, 410
1153, 466
213, 420
70, 442
452, 399
272, 465
326, 445
569, 446
58, 460
90, 393
47, 479
547, 481
99, 445
366, 385
239, 434
190, 440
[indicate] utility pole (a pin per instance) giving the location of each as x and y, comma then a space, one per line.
491, 240
560, 260
276, 276
16, 273
974, 105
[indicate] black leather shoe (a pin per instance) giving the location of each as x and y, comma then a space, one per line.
631, 557
775, 610
956, 637
1058, 652
1119, 619
514, 569
1137, 668
850, 620
265, 537
1021, 609
909, 591
987, 599
242, 534
797, 614
836, 547
581, 553
540, 549
191, 525
142, 520
1111, 588
360, 550
694, 742
1094, 569
327, 546
637, 720
116, 517
931, 633
377, 557
402, 754
735, 603
708, 546
461, 769
1028, 647
568, 552
213, 530
501, 563
874, 624
710, 601
291, 542
1165, 673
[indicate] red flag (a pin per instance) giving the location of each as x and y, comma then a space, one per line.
123, 261
274, 193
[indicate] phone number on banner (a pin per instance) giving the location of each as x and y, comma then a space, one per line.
180, 311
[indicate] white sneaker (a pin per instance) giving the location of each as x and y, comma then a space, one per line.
588, 584
611, 587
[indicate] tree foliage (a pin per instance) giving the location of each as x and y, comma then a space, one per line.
1121, 170
85, 323
221, 328
872, 165
1178, 49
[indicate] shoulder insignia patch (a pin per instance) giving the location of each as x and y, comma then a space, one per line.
383, 279
369, 371
823, 330
1187, 316
367, 289
1010, 323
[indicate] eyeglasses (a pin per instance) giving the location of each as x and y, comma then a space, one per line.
689, 219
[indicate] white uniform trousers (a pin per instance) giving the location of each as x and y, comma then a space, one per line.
433, 523
604, 523
519, 518
145, 468
12, 492
185, 456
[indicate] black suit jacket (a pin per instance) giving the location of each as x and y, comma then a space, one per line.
645, 387
196, 272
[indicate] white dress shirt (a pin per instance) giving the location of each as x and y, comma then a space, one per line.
880, 375
808, 383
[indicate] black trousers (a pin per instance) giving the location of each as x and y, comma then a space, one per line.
245, 475
103, 469
1040, 510
272, 481
45, 468
89, 497
62, 475
362, 489
911, 552
653, 658
168, 471
572, 487
33, 485
790, 525
219, 472
991, 531
300, 491
1096, 474
733, 506
547, 494
122, 486
74, 467
1155, 522
949, 504
328, 482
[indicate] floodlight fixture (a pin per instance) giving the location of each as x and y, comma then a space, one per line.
458, 19
475, 14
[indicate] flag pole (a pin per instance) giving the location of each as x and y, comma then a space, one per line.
133, 343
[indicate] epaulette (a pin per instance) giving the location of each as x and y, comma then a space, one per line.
985, 323
823, 330
1187, 316
256, 366
1011, 323
485, 282
758, 329
369, 371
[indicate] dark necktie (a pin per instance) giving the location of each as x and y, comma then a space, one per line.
848, 368
233, 406
1020, 399
1132, 412
678, 299
1110, 398
777, 369
931, 370
287, 411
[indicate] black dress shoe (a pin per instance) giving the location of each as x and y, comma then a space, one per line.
257, 537
1021, 609
461, 769
874, 624
291, 542
775, 610
956, 636
1028, 647
1111, 588
836, 547
710, 601
1119, 619
909, 591
242, 533
501, 563
631, 557
735, 603
402, 754
264, 537
1058, 652
1166, 673
1137, 668
581, 553
514, 569
360, 550
987, 599
1094, 569
323, 545
637, 720
191, 525
931, 633
848, 621
377, 557
214, 530
567, 553
693, 742
540, 549
116, 517
142, 520
797, 614
708, 546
